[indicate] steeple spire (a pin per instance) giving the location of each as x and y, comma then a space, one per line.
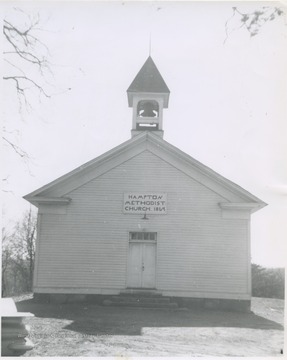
148, 94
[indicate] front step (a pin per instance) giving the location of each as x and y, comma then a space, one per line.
140, 300
140, 292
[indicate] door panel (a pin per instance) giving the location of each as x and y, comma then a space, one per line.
134, 265
141, 265
148, 273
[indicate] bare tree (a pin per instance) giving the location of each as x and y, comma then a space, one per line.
252, 21
27, 68
25, 235
18, 256
6, 257
24, 52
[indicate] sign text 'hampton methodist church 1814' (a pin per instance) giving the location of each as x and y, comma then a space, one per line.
145, 203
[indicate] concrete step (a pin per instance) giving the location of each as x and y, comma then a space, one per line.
136, 300
149, 305
142, 300
141, 293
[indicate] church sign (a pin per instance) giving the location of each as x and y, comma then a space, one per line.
145, 203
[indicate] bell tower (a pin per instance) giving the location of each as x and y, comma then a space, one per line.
148, 95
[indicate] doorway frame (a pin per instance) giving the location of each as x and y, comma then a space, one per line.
129, 240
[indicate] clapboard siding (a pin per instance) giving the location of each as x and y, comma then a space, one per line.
197, 250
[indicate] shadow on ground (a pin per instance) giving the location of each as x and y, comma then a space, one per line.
97, 320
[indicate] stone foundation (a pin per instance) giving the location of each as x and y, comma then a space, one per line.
190, 303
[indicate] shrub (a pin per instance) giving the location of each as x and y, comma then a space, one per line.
268, 282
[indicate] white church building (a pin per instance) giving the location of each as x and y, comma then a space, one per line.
145, 217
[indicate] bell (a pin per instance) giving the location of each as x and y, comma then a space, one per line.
148, 110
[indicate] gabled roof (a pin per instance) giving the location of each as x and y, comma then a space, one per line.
57, 190
148, 80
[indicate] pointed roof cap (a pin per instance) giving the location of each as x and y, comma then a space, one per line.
148, 80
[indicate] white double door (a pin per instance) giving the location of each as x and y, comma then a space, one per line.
141, 265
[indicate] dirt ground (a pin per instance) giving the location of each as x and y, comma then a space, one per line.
92, 330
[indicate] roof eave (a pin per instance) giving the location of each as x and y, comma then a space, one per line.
250, 206
254, 203
41, 200
252, 199
36, 194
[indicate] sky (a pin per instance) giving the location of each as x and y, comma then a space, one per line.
227, 109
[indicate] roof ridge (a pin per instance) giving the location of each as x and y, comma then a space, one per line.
86, 165
161, 145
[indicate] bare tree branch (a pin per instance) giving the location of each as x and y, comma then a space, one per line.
13, 65
24, 45
253, 21
25, 78
16, 148
27, 65
28, 57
